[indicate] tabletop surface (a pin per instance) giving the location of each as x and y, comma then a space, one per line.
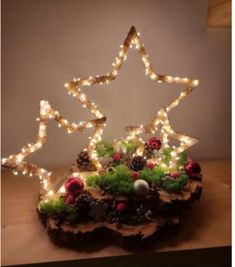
25, 241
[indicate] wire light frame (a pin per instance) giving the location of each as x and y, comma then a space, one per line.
17, 162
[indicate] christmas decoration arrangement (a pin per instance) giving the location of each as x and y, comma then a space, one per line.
128, 191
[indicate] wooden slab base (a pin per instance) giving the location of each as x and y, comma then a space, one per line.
85, 235
90, 234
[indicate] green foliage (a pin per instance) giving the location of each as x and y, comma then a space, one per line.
167, 156
153, 176
58, 207
104, 149
95, 181
167, 153
130, 147
118, 182
175, 185
121, 182
182, 159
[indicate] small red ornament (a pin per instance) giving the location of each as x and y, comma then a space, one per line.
154, 143
101, 171
74, 185
192, 168
150, 165
116, 157
69, 198
135, 175
121, 207
175, 175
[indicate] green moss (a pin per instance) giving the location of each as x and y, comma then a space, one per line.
118, 182
58, 207
153, 176
94, 181
104, 149
175, 185
121, 182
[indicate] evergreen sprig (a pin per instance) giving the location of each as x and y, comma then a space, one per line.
167, 154
104, 149
182, 159
130, 146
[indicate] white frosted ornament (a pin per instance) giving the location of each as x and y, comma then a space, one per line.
120, 148
141, 187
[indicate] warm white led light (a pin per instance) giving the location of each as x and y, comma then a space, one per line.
17, 162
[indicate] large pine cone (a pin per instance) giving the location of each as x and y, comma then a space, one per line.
83, 160
82, 203
138, 163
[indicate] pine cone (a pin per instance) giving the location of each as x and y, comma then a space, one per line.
98, 210
83, 160
82, 203
138, 163
148, 149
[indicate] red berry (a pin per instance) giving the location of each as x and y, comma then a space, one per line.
175, 174
135, 175
121, 207
116, 157
150, 165
101, 171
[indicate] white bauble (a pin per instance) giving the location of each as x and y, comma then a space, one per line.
141, 187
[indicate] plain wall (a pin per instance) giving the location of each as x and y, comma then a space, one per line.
46, 43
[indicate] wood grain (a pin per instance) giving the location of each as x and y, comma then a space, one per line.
219, 13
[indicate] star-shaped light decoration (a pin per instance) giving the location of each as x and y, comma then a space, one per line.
133, 133
17, 162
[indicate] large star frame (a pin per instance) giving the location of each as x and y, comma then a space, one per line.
18, 163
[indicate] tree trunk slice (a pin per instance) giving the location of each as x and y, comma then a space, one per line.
84, 235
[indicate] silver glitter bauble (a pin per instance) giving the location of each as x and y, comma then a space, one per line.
141, 187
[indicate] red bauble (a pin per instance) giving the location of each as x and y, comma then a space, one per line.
74, 185
116, 157
121, 207
150, 165
69, 198
154, 143
192, 168
135, 175
175, 175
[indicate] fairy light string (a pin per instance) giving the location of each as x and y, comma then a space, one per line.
18, 163
161, 124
